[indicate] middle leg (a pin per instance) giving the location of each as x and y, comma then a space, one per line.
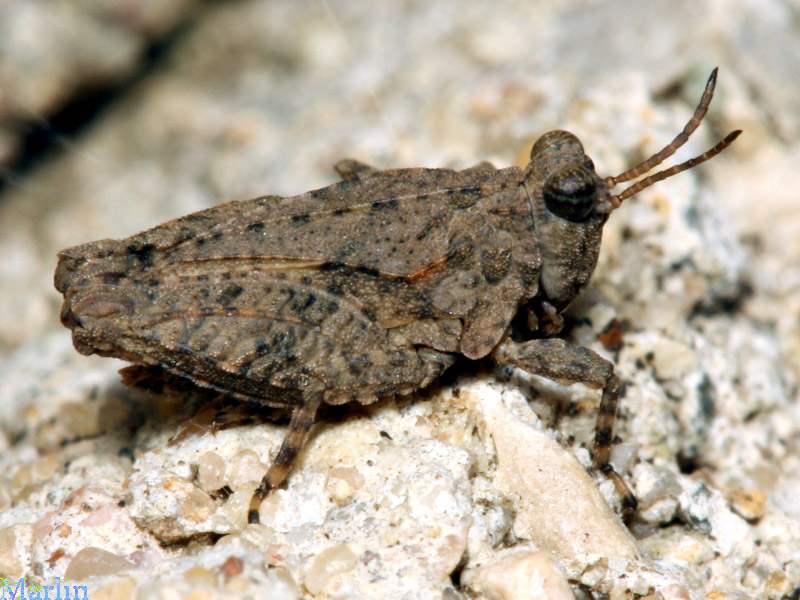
295, 440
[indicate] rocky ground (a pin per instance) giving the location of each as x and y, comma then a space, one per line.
480, 487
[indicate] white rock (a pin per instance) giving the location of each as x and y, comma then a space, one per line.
523, 575
558, 506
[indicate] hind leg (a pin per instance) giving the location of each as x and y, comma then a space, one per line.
565, 364
295, 440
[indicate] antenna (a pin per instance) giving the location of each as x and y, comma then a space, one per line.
669, 150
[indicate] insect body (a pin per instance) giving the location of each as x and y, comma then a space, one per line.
368, 287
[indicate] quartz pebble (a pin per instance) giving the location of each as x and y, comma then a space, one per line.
557, 504
211, 471
245, 469
92, 562
121, 589
522, 575
327, 564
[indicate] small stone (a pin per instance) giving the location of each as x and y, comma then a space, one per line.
523, 576
660, 512
749, 504
238, 504
284, 585
349, 474
558, 506
670, 359
15, 549
327, 564
211, 471
594, 574
170, 507
623, 456
778, 585
91, 562
232, 566
342, 483
123, 589
21, 479
240, 586
654, 483
45, 467
200, 575
246, 470
81, 420
259, 535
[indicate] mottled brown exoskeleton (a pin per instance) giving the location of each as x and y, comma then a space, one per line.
366, 288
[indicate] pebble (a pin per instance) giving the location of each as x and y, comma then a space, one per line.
749, 504
558, 506
170, 507
327, 564
523, 575
245, 470
93, 562
211, 471
15, 550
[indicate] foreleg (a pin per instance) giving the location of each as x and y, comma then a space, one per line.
566, 364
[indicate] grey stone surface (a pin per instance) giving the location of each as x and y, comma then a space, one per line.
263, 97
55, 51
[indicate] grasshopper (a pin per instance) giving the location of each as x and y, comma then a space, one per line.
369, 287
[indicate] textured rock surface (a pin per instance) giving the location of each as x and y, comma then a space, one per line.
417, 497
58, 51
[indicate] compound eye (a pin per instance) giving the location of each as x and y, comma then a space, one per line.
570, 193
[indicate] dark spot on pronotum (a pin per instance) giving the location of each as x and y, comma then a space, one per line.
309, 302
358, 364
256, 226
335, 289
301, 219
229, 294
142, 253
